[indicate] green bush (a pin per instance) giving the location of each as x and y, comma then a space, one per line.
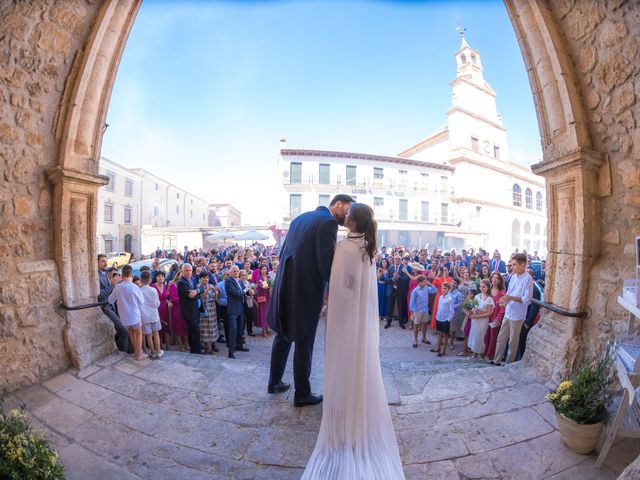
582, 396
25, 454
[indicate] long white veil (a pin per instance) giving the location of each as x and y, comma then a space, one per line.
356, 439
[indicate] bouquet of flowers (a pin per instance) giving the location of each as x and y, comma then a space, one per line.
266, 284
469, 303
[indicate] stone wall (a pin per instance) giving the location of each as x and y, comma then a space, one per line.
604, 45
591, 147
39, 41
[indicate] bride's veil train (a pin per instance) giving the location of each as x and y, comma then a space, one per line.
356, 439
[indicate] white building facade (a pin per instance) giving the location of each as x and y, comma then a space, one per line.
503, 200
412, 200
118, 222
224, 215
457, 188
134, 198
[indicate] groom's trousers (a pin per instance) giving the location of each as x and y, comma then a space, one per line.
302, 356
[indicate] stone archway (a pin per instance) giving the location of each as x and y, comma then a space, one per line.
61, 62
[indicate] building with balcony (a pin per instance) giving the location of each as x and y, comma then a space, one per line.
457, 188
411, 198
502, 200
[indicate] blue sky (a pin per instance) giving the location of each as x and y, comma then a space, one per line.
206, 89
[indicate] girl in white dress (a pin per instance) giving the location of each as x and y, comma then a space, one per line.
356, 440
480, 316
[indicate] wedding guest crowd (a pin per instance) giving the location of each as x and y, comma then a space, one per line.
487, 300
208, 297
218, 296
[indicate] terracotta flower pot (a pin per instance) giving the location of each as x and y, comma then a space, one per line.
579, 438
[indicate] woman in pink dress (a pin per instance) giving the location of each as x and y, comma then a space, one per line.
163, 309
491, 337
263, 297
178, 325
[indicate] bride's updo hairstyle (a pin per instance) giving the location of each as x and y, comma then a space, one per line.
361, 221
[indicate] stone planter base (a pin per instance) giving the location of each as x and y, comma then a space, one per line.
579, 438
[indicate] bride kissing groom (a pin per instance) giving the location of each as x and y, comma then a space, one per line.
356, 439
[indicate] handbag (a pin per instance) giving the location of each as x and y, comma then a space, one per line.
261, 298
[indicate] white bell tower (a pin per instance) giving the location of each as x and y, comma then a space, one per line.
473, 119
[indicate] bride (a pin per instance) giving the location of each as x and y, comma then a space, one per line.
356, 439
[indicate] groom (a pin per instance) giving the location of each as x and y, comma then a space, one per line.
296, 301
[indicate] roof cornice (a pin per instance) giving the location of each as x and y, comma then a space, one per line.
432, 140
362, 156
477, 117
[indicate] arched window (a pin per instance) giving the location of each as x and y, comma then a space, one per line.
538, 201
536, 230
515, 234
528, 198
517, 195
527, 236
473, 59
463, 58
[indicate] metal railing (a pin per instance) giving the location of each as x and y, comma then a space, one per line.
560, 311
82, 307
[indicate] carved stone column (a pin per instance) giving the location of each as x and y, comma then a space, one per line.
88, 334
576, 178
574, 225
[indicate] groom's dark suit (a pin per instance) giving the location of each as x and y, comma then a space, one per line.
305, 265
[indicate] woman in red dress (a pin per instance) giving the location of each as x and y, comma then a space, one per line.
178, 325
443, 276
491, 337
163, 309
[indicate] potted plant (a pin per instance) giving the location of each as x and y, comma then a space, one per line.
25, 454
580, 404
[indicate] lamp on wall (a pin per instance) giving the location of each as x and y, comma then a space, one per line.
104, 129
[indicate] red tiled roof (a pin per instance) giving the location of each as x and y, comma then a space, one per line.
363, 156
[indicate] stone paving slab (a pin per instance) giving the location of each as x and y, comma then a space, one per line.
201, 417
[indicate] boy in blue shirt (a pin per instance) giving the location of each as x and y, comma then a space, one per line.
419, 306
444, 315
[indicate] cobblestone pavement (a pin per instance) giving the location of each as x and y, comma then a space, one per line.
208, 417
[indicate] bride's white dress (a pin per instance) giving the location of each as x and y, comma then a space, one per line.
356, 439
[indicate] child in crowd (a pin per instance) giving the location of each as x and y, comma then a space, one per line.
467, 307
444, 314
130, 301
419, 306
150, 315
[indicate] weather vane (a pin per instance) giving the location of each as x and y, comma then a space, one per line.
460, 29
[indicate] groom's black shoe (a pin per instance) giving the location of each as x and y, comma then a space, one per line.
310, 400
278, 387
388, 324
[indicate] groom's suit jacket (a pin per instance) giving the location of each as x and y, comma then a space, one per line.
305, 266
